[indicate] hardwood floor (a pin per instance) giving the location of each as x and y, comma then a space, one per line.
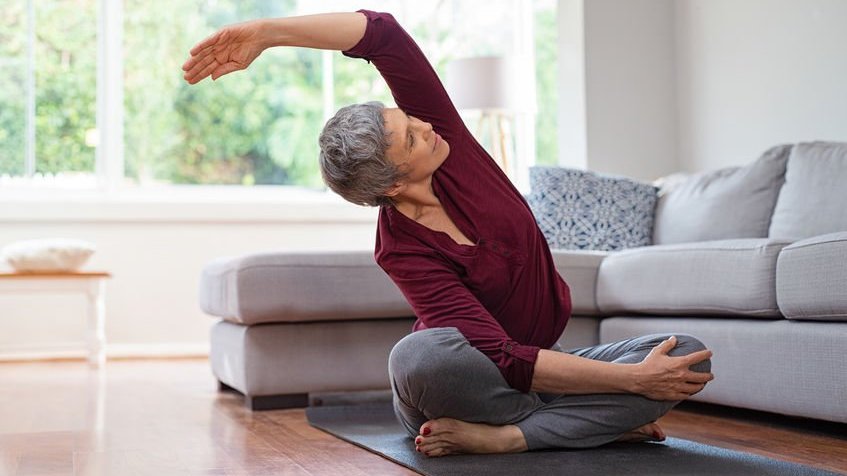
166, 417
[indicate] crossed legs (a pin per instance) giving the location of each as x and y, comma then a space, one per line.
437, 375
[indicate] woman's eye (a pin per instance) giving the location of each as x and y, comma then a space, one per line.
411, 140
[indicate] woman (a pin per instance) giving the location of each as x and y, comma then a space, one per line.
481, 372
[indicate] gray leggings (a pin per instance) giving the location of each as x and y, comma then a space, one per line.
436, 373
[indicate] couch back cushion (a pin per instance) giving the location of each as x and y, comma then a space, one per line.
582, 210
813, 200
729, 203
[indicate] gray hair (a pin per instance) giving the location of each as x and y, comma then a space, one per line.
352, 158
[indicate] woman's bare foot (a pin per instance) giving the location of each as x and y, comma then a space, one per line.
648, 432
444, 436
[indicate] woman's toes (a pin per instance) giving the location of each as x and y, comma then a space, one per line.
430, 445
437, 451
427, 428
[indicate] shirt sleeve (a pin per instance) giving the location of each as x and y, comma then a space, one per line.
413, 82
440, 299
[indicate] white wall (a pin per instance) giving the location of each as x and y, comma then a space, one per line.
650, 87
630, 87
755, 73
155, 252
617, 87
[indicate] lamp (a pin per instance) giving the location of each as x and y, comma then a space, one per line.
486, 84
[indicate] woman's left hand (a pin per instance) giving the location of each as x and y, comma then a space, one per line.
663, 377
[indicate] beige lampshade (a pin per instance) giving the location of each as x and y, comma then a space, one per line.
482, 83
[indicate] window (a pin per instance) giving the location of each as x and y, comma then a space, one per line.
48, 66
254, 127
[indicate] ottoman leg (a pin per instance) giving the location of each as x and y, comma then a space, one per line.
277, 402
222, 387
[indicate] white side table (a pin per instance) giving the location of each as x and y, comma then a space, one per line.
92, 284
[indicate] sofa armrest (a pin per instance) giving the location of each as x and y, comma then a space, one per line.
298, 287
579, 269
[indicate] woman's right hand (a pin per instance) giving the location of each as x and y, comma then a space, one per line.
663, 377
232, 48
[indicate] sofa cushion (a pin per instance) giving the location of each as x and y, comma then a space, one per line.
579, 269
732, 202
812, 200
811, 278
578, 209
281, 287
723, 277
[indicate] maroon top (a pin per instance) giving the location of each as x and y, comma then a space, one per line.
504, 294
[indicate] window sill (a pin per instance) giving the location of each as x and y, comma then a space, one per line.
210, 204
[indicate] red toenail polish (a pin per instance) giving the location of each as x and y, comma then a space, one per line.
418, 450
426, 431
426, 453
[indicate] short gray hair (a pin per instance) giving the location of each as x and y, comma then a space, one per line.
352, 158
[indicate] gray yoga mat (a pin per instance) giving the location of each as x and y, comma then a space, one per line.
373, 426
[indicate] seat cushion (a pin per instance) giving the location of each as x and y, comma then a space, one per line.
812, 200
729, 203
579, 269
295, 286
723, 277
811, 278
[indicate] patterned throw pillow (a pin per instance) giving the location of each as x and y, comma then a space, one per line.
578, 209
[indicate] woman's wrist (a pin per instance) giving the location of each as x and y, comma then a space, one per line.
271, 32
632, 379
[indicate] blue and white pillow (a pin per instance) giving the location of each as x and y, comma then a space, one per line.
581, 210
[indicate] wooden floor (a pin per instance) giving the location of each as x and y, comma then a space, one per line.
166, 417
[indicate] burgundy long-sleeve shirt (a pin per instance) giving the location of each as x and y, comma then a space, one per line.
504, 293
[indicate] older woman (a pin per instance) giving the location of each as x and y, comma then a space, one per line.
482, 371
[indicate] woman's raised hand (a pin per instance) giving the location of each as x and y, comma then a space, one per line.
663, 377
231, 48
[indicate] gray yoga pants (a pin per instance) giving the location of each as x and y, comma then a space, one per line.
436, 373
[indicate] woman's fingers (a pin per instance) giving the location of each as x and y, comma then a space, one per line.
192, 62
225, 69
199, 67
207, 42
212, 66
664, 347
697, 357
699, 377
692, 388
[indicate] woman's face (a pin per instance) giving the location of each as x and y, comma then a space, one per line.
414, 145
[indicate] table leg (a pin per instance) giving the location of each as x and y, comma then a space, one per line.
96, 323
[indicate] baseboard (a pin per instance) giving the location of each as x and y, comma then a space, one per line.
113, 351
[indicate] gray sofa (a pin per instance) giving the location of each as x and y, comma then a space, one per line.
752, 260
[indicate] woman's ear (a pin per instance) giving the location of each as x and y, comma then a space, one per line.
395, 189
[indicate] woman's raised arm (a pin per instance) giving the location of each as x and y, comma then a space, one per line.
234, 47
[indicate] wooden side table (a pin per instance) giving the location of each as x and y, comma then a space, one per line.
90, 283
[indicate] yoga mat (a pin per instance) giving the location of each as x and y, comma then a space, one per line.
374, 427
